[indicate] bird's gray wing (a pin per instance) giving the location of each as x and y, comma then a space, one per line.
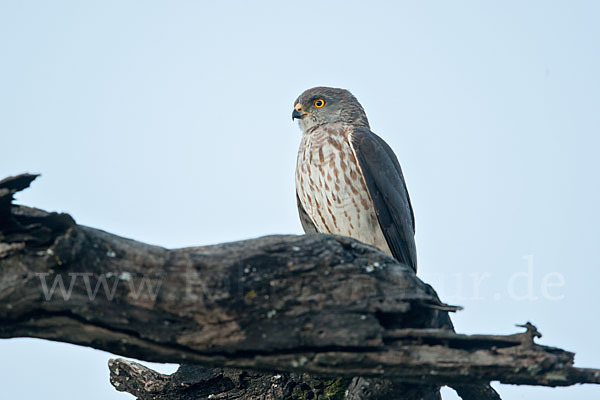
387, 188
307, 224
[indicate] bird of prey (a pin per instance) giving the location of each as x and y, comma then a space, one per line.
348, 180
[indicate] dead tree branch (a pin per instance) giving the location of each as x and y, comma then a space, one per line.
318, 304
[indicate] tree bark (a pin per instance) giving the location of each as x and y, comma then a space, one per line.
319, 304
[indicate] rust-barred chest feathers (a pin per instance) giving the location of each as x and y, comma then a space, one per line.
330, 185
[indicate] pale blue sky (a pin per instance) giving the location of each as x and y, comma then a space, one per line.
169, 122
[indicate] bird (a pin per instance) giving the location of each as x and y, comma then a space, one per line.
348, 180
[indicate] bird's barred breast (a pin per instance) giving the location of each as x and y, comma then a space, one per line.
331, 188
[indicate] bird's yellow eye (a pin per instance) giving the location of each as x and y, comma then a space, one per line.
319, 103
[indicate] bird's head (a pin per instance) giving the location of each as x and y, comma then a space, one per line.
324, 105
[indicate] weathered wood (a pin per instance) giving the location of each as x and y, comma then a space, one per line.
221, 303
193, 382
321, 304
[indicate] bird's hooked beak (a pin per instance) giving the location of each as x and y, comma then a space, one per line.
298, 113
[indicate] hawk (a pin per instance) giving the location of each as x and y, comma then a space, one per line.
348, 180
